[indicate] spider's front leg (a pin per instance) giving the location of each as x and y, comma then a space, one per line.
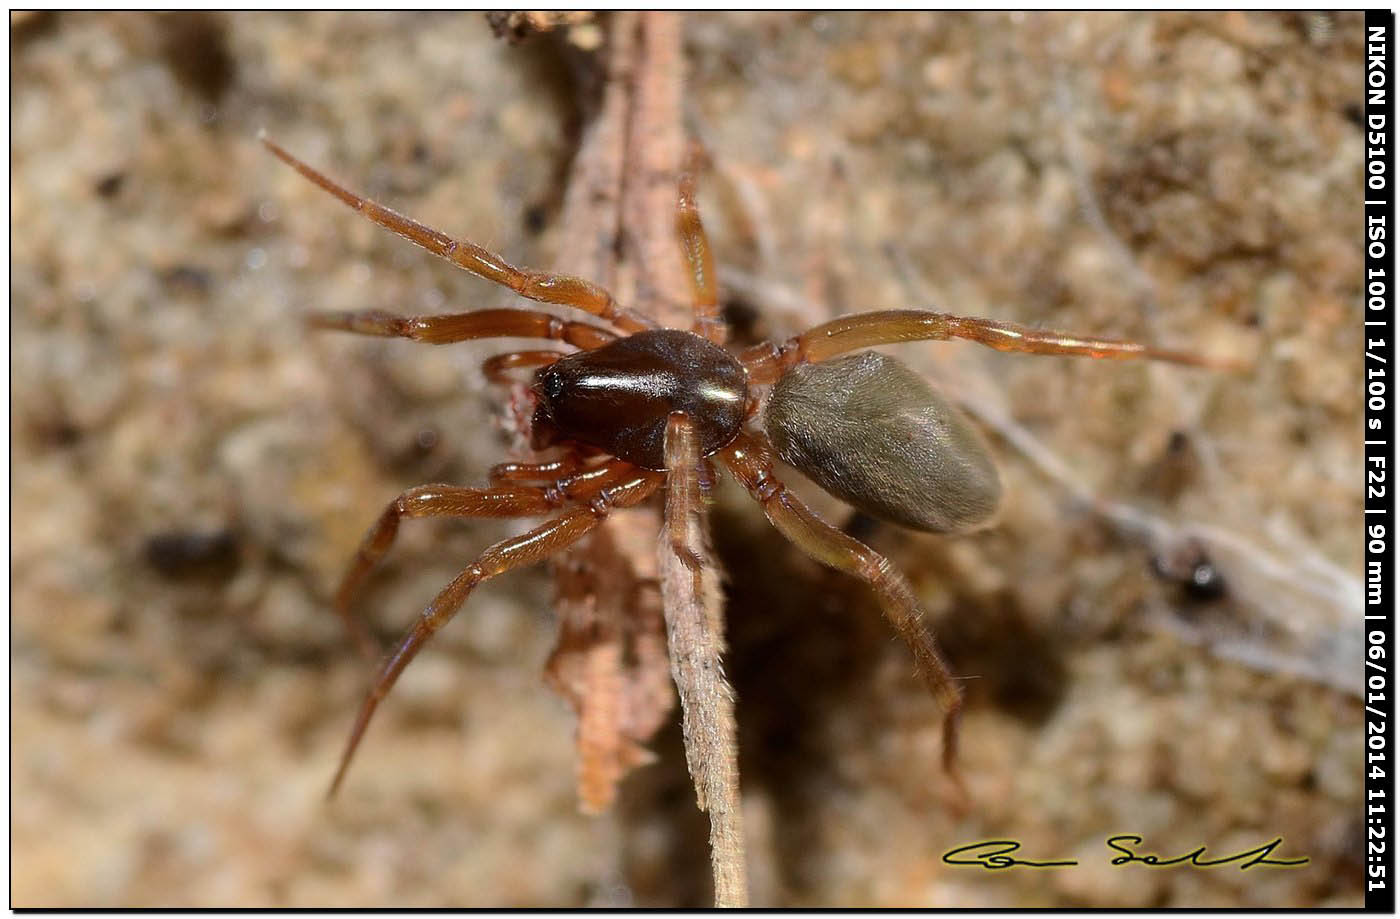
603, 495
537, 285
767, 362
751, 462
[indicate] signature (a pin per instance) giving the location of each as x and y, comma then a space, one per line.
993, 856
1259, 855
996, 854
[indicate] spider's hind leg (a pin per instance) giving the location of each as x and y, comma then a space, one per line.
750, 460
613, 487
501, 501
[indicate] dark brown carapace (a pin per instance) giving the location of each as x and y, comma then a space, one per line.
634, 408
620, 397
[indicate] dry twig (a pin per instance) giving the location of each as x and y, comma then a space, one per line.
624, 187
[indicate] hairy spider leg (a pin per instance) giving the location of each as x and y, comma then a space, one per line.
497, 369
560, 289
750, 460
454, 501
767, 362
700, 262
455, 327
536, 545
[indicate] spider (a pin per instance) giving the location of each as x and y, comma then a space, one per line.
635, 408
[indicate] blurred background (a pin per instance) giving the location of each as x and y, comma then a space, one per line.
1161, 635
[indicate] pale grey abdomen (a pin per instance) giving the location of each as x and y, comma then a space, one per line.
876, 435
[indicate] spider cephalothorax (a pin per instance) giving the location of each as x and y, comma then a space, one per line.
635, 408
619, 397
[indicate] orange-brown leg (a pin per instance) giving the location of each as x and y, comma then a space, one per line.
537, 285
527, 549
768, 362
548, 471
699, 261
454, 501
497, 369
455, 327
750, 460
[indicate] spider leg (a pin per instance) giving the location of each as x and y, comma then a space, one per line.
568, 464
697, 255
750, 460
454, 327
514, 552
454, 501
768, 362
497, 369
536, 285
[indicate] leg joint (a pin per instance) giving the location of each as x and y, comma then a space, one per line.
766, 487
601, 504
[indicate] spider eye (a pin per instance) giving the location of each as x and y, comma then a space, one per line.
552, 385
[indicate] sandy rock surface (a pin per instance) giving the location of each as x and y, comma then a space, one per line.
192, 469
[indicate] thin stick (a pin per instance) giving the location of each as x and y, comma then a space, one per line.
663, 289
610, 660
695, 637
